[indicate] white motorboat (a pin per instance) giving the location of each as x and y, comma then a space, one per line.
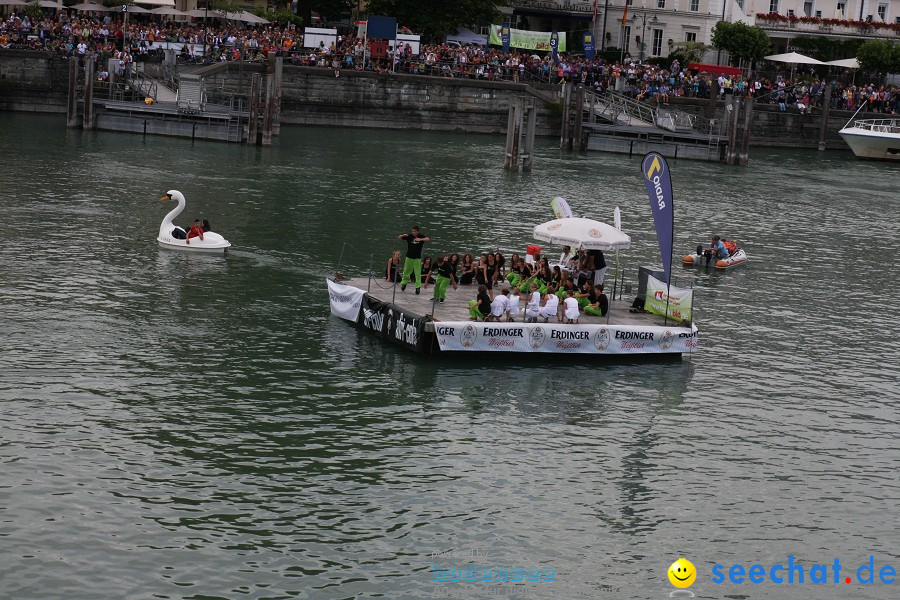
876, 139
175, 237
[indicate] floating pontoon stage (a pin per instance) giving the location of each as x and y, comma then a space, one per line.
419, 324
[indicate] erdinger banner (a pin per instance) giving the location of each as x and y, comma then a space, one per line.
678, 300
345, 300
387, 321
658, 180
564, 339
528, 40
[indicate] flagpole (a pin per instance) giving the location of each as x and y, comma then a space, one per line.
671, 252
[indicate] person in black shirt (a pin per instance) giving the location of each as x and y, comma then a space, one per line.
597, 302
468, 270
599, 266
413, 261
480, 307
444, 275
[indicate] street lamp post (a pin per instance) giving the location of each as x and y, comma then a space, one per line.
643, 42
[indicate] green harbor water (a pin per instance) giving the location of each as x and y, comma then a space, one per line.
188, 426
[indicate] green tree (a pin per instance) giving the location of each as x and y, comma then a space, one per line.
688, 52
225, 6
741, 41
825, 49
327, 9
434, 19
880, 56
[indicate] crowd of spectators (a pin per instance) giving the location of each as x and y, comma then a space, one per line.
104, 36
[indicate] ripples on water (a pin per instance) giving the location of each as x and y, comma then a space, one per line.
190, 426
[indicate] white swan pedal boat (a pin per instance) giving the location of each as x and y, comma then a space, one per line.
172, 236
704, 258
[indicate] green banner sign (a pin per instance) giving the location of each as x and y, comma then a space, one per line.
678, 300
527, 40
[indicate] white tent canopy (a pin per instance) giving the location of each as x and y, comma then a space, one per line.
86, 6
581, 233
168, 10
847, 63
248, 17
794, 58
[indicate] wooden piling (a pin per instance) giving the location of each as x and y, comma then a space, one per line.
713, 97
731, 156
72, 106
744, 156
276, 117
513, 133
530, 126
579, 115
253, 126
269, 107
566, 101
88, 122
825, 109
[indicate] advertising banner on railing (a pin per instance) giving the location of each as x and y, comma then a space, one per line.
388, 321
345, 300
659, 297
463, 336
528, 40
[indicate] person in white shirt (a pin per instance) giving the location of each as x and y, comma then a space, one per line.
499, 306
533, 310
551, 305
571, 308
512, 310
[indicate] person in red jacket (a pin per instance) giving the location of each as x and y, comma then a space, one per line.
196, 231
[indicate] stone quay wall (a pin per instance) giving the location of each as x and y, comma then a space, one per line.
37, 82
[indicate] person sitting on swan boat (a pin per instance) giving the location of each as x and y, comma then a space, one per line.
196, 231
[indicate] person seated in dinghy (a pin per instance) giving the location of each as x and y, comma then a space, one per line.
720, 252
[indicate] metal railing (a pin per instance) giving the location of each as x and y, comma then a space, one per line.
879, 125
619, 108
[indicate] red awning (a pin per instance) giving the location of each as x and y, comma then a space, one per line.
714, 69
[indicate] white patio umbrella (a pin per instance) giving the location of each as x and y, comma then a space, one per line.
50, 4
581, 233
12, 3
157, 2
847, 63
137, 10
794, 58
168, 10
200, 13
87, 6
248, 17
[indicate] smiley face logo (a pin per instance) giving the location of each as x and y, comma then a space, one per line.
682, 573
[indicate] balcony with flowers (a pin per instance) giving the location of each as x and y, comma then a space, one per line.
817, 25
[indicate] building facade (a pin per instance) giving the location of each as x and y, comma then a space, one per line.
651, 27
784, 20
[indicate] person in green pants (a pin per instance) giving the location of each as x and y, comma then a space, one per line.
598, 303
413, 262
444, 275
